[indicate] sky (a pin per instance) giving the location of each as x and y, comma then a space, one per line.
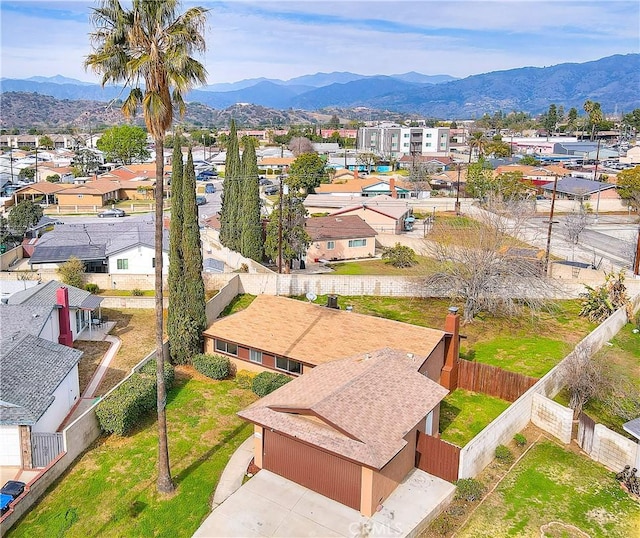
287, 39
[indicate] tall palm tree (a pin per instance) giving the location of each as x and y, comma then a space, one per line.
479, 141
593, 109
148, 48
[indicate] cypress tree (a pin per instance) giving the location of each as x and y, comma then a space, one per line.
176, 260
251, 244
230, 211
194, 299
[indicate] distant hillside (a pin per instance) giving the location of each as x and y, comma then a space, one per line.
25, 110
612, 81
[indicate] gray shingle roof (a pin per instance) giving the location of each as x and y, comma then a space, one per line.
578, 187
31, 369
45, 294
22, 318
94, 241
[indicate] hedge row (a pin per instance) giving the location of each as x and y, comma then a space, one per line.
266, 382
121, 410
213, 366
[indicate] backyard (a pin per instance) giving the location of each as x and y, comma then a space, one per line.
553, 492
111, 491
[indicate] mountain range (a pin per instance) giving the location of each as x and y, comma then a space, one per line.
612, 81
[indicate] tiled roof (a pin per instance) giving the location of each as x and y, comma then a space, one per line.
31, 370
338, 227
315, 334
44, 187
359, 408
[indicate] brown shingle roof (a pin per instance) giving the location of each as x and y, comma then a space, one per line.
314, 334
360, 407
339, 227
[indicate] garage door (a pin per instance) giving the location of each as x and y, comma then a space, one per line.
312, 468
10, 446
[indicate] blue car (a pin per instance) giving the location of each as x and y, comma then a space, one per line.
209, 188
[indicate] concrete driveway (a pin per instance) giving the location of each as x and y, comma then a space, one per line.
271, 506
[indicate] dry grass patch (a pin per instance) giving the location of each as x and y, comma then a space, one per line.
92, 354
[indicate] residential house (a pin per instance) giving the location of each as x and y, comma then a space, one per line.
39, 382
42, 192
382, 213
115, 247
348, 429
93, 194
36, 309
339, 238
573, 188
277, 165
431, 163
363, 186
537, 175
286, 335
632, 156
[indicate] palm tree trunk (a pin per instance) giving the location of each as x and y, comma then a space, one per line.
165, 483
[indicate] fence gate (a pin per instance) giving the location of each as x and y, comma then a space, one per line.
586, 426
437, 457
45, 447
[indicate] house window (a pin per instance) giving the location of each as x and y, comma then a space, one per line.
428, 135
331, 245
255, 356
357, 243
293, 367
226, 347
123, 263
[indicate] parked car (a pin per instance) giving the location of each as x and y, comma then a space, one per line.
271, 190
206, 175
112, 213
209, 188
264, 182
201, 200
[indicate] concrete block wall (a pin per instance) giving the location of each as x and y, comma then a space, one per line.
10, 257
226, 294
613, 450
479, 452
552, 417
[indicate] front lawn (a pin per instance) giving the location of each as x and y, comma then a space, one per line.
463, 414
424, 267
111, 491
552, 492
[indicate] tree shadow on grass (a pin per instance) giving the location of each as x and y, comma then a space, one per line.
448, 414
228, 436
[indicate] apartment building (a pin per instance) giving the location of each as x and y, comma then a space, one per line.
395, 141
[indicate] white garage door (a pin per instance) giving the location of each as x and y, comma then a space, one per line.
10, 445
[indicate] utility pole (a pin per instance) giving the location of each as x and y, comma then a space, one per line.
280, 230
458, 192
553, 202
595, 178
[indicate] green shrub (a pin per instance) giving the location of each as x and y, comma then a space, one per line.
92, 288
266, 382
213, 366
504, 454
149, 369
520, 439
469, 489
443, 524
136, 292
244, 379
120, 411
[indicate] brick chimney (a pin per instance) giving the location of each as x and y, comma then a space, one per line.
355, 173
449, 374
64, 317
392, 187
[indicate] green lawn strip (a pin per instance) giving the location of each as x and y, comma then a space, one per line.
424, 267
110, 490
551, 484
463, 414
533, 356
239, 302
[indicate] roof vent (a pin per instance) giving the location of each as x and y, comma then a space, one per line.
453, 309
410, 356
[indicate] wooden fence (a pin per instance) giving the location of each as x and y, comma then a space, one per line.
493, 381
437, 457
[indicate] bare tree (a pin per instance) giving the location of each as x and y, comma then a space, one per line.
584, 377
300, 145
575, 223
367, 159
485, 268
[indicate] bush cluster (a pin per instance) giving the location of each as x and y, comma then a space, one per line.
213, 366
92, 288
469, 489
266, 382
120, 411
520, 439
137, 292
504, 454
244, 379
